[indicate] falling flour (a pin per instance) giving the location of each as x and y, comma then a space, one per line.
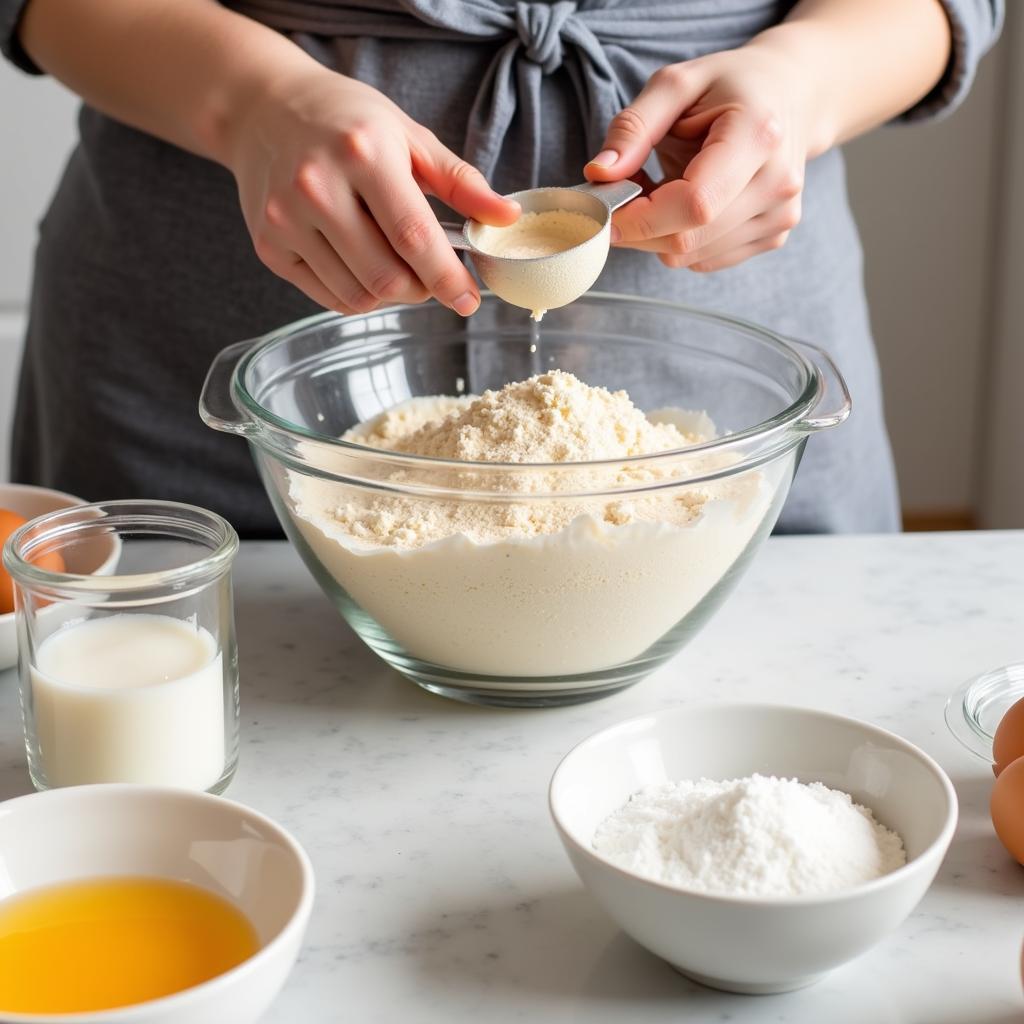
757, 836
523, 585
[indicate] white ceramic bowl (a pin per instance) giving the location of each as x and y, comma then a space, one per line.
99, 556
88, 831
744, 944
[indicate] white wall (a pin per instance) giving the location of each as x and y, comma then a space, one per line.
923, 195
928, 201
12, 327
37, 126
1003, 463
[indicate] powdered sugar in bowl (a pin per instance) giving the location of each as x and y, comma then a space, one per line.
731, 929
586, 538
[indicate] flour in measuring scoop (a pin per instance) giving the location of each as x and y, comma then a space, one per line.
543, 233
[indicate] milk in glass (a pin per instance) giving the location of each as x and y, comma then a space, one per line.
130, 698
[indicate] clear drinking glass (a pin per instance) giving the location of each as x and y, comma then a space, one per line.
132, 675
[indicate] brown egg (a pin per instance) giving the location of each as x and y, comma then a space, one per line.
1007, 807
1008, 742
9, 522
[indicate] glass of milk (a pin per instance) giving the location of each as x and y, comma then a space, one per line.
131, 677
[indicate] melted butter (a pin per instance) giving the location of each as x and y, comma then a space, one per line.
108, 942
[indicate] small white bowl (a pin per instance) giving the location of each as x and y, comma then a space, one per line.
88, 831
98, 556
743, 944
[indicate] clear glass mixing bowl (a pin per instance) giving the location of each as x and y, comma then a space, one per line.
561, 616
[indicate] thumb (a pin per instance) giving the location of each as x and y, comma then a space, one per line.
459, 184
638, 128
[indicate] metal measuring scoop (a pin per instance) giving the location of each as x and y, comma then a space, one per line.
546, 282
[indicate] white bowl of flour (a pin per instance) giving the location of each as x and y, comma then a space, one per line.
721, 837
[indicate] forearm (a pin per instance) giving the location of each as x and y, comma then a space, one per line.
183, 70
865, 60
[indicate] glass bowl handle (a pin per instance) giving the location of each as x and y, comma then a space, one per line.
832, 384
216, 408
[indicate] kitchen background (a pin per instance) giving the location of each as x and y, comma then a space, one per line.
941, 207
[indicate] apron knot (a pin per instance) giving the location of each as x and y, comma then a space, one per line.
540, 31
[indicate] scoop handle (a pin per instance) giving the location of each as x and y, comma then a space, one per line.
456, 235
832, 383
216, 408
612, 193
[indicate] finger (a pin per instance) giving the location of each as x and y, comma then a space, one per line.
727, 256
726, 165
779, 220
405, 217
322, 259
295, 271
277, 257
362, 262
772, 200
636, 129
672, 207
738, 144
735, 256
459, 184
690, 241
362, 247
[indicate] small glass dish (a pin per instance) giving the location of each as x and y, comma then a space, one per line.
974, 710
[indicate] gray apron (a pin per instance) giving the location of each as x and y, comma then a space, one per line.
144, 268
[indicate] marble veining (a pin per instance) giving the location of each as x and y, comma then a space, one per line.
443, 893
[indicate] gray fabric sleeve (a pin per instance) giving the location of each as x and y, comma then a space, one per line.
975, 25
10, 14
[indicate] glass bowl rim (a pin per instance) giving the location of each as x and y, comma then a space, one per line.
789, 417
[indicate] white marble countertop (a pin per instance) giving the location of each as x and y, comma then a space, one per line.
443, 893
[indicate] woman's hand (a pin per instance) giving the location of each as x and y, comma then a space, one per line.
732, 131
332, 177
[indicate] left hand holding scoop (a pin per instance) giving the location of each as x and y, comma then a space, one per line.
731, 132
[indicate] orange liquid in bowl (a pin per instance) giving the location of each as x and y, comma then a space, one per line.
108, 942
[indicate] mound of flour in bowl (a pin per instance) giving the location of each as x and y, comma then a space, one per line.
553, 418
530, 583
757, 836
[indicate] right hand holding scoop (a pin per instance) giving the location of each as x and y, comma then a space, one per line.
332, 178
